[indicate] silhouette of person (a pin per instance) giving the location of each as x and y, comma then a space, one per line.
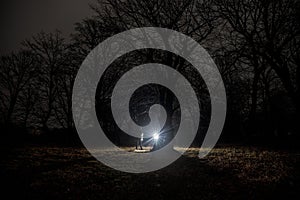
139, 142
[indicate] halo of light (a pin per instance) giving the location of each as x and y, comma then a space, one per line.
155, 136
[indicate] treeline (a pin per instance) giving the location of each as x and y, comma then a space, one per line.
255, 44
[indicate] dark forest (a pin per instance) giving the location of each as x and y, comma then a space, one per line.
256, 47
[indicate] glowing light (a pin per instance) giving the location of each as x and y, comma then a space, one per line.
155, 136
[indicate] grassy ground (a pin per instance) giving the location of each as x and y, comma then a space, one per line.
229, 172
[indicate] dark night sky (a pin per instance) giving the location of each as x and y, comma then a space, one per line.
20, 19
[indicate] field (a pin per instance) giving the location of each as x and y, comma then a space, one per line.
228, 172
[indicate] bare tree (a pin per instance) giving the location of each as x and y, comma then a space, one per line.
29, 98
194, 18
65, 81
268, 28
16, 72
49, 50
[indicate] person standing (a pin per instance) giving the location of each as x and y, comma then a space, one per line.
139, 142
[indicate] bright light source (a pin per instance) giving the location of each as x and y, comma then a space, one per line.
155, 136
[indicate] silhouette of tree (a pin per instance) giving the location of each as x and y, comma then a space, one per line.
49, 49
270, 31
266, 36
254, 43
16, 74
194, 18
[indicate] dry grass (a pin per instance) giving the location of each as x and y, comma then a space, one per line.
229, 172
